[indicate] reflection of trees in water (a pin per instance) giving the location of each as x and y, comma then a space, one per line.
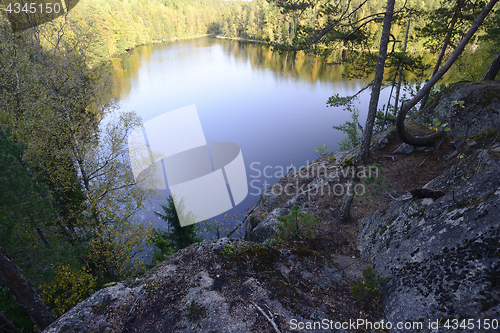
291, 64
285, 66
306, 67
121, 86
126, 68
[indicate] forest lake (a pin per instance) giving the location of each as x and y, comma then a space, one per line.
272, 105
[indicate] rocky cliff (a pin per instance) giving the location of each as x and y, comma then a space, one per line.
468, 107
222, 286
441, 257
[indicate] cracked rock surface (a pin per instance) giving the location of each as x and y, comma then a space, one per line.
204, 289
442, 257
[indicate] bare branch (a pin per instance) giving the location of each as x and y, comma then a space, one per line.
267, 317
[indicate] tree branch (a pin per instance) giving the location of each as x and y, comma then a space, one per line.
400, 123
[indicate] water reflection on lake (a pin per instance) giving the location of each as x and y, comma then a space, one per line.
272, 105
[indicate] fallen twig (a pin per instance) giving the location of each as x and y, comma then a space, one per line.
423, 161
267, 317
133, 305
439, 144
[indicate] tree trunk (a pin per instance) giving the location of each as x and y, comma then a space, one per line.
400, 79
42, 236
345, 210
377, 81
364, 151
492, 72
445, 46
12, 277
400, 123
7, 326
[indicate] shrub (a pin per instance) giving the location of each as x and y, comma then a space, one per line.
321, 150
162, 247
178, 236
353, 129
296, 224
367, 288
234, 249
69, 287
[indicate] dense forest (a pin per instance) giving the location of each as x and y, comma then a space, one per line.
115, 26
68, 196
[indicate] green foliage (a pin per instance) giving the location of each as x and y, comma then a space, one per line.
437, 125
382, 120
234, 249
352, 128
123, 25
435, 26
162, 248
337, 100
408, 92
67, 191
296, 225
67, 195
69, 287
112, 251
22, 197
178, 236
321, 150
367, 288
473, 61
12, 310
372, 173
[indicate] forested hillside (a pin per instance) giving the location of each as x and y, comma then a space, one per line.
112, 27
115, 26
265, 20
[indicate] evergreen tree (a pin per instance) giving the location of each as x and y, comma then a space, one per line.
21, 197
179, 237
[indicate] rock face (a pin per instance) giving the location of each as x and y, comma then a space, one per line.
222, 286
442, 257
262, 222
481, 108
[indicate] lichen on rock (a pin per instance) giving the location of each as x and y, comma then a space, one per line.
481, 108
441, 257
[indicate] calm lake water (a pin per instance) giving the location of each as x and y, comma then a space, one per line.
272, 105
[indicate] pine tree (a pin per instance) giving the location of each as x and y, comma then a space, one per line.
179, 237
